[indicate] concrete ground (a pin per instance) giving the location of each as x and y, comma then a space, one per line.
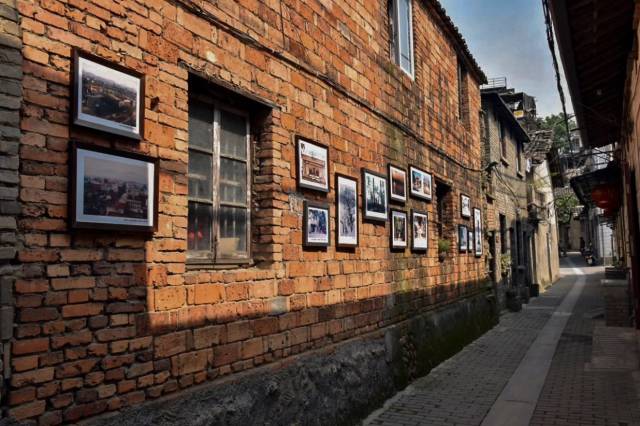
553, 363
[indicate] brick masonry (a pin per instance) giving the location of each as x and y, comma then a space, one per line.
10, 101
109, 320
506, 189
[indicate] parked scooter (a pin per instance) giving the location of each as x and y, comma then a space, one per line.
589, 257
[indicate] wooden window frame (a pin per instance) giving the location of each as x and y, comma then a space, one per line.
211, 258
397, 27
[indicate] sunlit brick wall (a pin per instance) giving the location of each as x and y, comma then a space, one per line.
106, 320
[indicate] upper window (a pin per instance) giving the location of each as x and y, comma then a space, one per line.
503, 139
518, 157
219, 179
462, 104
401, 24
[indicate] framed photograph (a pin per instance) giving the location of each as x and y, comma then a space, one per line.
420, 231
465, 206
399, 230
397, 184
112, 189
420, 182
374, 196
313, 165
315, 224
470, 246
463, 238
346, 211
107, 96
477, 231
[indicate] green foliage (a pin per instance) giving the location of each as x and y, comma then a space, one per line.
555, 122
565, 204
444, 246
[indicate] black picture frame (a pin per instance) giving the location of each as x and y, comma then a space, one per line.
465, 201
104, 161
370, 215
477, 231
121, 78
419, 247
394, 197
310, 206
463, 238
303, 182
341, 241
420, 194
393, 243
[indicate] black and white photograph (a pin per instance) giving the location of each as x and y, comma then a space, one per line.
313, 165
469, 240
316, 224
420, 183
374, 196
347, 211
112, 190
420, 231
107, 96
399, 229
465, 206
477, 230
397, 184
463, 236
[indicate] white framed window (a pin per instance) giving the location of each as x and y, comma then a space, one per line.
219, 220
401, 24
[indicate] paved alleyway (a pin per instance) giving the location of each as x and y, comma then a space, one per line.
503, 378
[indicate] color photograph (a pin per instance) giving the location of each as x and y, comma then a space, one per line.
398, 229
420, 183
316, 224
313, 165
420, 234
374, 194
462, 238
114, 190
107, 97
397, 184
347, 211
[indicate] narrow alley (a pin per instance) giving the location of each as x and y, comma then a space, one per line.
553, 363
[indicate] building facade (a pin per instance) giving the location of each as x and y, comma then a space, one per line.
223, 280
506, 195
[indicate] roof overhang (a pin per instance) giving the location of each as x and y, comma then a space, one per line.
594, 38
583, 185
490, 95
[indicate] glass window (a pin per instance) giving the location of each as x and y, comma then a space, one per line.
219, 194
402, 34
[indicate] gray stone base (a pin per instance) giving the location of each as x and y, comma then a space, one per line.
340, 384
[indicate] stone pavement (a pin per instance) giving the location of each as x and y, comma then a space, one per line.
577, 391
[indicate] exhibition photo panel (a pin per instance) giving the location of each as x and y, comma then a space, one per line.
107, 96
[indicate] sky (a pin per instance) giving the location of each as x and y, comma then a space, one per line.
508, 39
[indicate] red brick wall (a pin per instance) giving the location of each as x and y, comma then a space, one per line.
107, 320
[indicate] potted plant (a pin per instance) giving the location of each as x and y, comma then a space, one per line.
443, 248
505, 264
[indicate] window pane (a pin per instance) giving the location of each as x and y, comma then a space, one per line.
199, 227
233, 232
200, 125
233, 135
200, 175
233, 181
404, 32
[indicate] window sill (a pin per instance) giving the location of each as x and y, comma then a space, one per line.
207, 264
504, 161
